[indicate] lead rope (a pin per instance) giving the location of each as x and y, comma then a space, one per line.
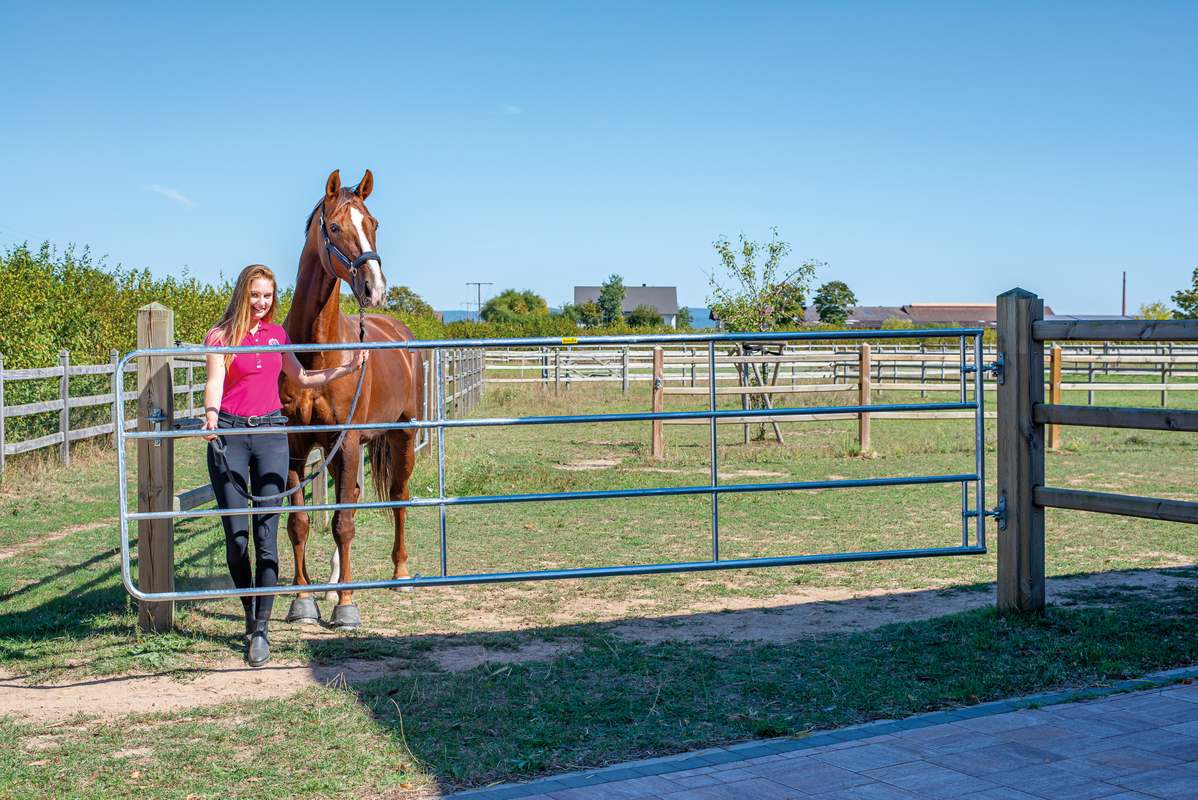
218, 445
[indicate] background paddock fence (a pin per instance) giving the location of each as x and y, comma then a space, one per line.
458, 368
34, 424
1026, 424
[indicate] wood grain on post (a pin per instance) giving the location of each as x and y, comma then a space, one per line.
657, 446
1020, 453
155, 468
863, 398
64, 415
1054, 395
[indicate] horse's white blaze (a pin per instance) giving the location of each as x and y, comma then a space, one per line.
376, 270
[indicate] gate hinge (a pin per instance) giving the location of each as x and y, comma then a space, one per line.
996, 368
999, 513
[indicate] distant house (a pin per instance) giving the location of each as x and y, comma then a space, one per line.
663, 298
964, 314
864, 317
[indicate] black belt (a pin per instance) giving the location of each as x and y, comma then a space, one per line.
273, 418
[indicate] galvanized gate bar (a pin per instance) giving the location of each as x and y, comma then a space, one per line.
635, 416
714, 489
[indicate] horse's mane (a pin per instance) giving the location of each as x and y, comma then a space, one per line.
341, 201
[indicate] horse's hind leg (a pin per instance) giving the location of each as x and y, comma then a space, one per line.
403, 459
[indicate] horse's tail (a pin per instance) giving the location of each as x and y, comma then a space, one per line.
381, 468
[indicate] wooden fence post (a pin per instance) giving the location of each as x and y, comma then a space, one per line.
64, 415
658, 444
624, 371
1054, 394
1, 417
155, 467
1020, 454
557, 371
863, 398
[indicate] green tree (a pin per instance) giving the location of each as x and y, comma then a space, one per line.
644, 316
591, 314
514, 306
833, 301
1187, 300
791, 303
685, 320
756, 299
1157, 310
405, 301
611, 299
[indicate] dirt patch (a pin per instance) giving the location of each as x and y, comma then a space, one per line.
459, 659
16, 550
778, 619
783, 619
114, 697
588, 464
740, 473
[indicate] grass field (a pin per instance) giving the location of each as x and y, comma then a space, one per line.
599, 697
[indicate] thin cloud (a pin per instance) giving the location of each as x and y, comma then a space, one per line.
173, 194
504, 108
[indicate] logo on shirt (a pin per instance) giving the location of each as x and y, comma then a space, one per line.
273, 342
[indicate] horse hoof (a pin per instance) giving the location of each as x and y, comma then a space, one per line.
303, 609
345, 617
332, 597
405, 589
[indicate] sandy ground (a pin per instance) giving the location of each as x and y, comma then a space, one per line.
777, 620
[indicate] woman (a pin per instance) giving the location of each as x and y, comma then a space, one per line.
243, 392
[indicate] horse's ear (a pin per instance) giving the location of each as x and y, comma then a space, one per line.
333, 187
365, 187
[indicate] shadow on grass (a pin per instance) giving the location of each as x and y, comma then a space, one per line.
602, 697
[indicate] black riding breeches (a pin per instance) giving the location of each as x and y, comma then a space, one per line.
258, 461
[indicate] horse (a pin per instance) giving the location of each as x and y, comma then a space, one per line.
339, 246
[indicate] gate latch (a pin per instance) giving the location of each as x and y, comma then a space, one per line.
157, 417
996, 368
999, 513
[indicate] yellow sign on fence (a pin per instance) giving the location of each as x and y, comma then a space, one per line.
569, 340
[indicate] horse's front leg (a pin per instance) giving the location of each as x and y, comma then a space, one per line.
303, 607
348, 491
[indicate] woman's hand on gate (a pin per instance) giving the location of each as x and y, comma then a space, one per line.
209, 425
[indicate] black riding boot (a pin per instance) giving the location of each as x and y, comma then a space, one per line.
249, 605
258, 653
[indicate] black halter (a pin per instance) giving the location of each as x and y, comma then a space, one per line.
332, 250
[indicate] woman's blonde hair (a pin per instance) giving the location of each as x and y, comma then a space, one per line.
235, 323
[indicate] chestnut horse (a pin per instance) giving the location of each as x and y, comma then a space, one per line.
340, 231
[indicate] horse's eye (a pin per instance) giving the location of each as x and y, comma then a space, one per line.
335, 228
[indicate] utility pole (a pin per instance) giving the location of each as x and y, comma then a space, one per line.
1125, 293
480, 286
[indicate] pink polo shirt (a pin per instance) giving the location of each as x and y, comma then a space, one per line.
252, 380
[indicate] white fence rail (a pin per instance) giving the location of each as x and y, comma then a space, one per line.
466, 373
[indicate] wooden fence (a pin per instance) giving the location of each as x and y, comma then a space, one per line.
1022, 420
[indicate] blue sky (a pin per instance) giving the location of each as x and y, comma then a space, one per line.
928, 152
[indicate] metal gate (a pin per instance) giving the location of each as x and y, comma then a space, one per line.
972, 508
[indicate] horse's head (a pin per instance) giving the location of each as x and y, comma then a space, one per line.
345, 233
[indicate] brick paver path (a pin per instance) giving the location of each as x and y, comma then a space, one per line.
1138, 745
